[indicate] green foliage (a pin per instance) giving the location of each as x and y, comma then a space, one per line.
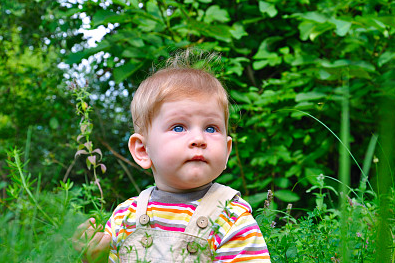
317, 237
286, 64
299, 55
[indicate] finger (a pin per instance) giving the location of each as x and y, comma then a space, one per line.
105, 241
99, 247
83, 227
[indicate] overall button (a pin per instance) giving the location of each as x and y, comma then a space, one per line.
146, 241
144, 219
202, 222
192, 247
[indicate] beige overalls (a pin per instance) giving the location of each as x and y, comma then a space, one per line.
155, 245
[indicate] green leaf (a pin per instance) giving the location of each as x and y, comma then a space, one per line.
148, 25
319, 29
282, 182
312, 174
124, 71
342, 27
313, 95
225, 178
312, 16
270, 9
215, 13
120, 2
54, 123
256, 199
220, 32
287, 196
385, 57
237, 31
387, 20
103, 17
78, 56
240, 97
305, 29
292, 252
257, 65
359, 73
295, 170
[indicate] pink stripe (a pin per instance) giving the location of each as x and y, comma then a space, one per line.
218, 239
174, 205
125, 209
177, 229
244, 230
244, 252
242, 204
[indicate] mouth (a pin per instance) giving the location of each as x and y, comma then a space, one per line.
198, 158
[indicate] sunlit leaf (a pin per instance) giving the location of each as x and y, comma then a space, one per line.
286, 196
267, 8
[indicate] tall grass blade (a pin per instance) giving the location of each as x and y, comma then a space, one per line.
344, 164
27, 145
367, 163
387, 127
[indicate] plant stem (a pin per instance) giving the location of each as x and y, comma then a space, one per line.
367, 163
25, 186
28, 141
387, 126
98, 185
344, 163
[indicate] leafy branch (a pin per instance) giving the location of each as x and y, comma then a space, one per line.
94, 155
23, 183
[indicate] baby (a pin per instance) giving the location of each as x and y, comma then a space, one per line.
180, 117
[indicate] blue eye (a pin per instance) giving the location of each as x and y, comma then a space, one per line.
178, 128
210, 129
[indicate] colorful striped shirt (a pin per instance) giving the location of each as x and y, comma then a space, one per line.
235, 237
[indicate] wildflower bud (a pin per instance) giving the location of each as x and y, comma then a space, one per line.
270, 195
267, 204
84, 105
273, 224
289, 208
375, 159
350, 201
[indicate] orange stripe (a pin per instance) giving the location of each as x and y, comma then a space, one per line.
241, 206
248, 236
226, 219
124, 231
176, 211
250, 258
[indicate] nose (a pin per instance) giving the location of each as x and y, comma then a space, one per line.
198, 140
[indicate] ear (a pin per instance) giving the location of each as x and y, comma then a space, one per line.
228, 146
139, 151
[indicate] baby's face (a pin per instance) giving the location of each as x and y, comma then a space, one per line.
187, 143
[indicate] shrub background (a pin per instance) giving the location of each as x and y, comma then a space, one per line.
281, 61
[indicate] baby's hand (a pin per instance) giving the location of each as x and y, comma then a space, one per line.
94, 243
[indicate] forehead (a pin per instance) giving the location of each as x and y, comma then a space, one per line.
188, 107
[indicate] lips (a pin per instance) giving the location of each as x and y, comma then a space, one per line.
198, 158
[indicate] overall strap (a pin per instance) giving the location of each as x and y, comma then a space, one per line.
142, 203
209, 208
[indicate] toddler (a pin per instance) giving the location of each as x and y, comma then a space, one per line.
180, 118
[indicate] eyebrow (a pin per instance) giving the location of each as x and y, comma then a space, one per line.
176, 115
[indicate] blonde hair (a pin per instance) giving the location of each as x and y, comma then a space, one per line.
178, 80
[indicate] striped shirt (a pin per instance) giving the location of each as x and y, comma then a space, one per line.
235, 237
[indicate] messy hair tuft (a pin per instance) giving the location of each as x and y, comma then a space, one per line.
186, 75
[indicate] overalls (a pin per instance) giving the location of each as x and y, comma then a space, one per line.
156, 245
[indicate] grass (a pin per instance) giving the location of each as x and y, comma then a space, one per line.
37, 226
